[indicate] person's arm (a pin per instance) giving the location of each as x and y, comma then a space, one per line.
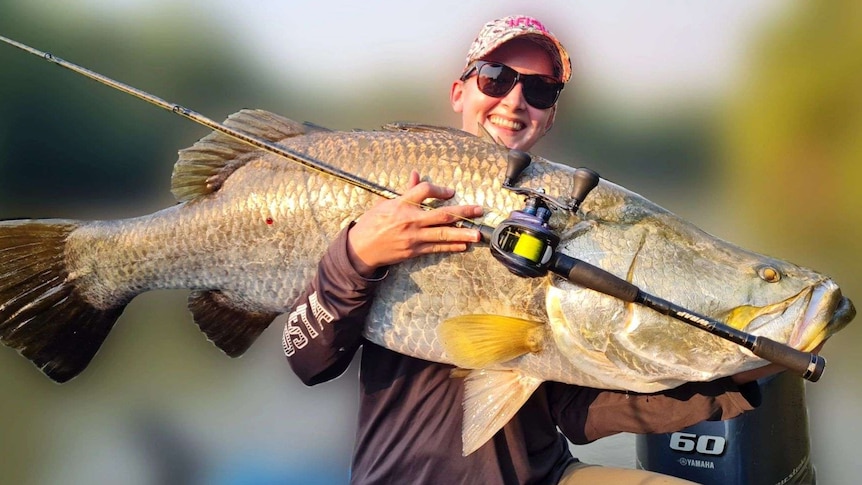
585, 414
324, 328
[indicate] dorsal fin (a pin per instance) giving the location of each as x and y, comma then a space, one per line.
202, 168
312, 127
484, 134
487, 136
420, 127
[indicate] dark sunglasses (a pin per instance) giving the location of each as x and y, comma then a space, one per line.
496, 80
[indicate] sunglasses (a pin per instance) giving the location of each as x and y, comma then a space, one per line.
496, 80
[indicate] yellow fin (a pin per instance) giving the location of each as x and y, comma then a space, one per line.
477, 341
491, 398
459, 373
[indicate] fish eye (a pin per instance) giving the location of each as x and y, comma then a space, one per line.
769, 274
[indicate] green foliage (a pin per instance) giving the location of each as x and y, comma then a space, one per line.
794, 131
793, 145
68, 138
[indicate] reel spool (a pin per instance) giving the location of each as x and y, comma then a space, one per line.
523, 243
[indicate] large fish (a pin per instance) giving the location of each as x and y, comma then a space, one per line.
250, 228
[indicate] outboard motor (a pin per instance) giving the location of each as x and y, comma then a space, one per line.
768, 446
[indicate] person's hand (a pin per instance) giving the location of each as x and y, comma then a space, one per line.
394, 230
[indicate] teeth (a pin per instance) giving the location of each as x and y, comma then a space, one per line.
504, 123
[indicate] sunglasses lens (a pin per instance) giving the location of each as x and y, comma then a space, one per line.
540, 92
496, 80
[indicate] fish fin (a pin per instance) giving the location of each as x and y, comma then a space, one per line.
226, 323
487, 136
312, 127
421, 127
459, 373
477, 341
491, 398
42, 314
202, 168
484, 134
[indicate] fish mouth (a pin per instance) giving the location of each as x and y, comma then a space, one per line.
828, 312
822, 311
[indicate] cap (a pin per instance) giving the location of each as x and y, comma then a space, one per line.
497, 32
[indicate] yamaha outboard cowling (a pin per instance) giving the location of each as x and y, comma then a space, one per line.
768, 446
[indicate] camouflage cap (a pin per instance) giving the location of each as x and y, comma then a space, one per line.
497, 32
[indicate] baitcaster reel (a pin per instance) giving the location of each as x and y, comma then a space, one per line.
523, 242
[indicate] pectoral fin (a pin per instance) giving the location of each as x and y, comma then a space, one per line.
477, 341
491, 398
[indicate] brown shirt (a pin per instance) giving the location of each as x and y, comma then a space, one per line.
410, 413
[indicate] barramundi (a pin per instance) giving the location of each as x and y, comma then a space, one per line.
250, 227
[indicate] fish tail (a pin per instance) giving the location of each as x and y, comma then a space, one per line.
42, 314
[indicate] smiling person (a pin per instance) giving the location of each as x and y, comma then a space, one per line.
410, 415
520, 70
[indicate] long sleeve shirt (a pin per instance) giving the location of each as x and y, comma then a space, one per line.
410, 413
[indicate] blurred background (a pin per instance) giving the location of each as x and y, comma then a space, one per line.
743, 116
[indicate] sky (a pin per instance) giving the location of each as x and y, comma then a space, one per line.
641, 51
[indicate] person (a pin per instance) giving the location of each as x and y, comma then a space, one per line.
410, 413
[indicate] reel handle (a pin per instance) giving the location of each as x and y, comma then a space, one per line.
585, 180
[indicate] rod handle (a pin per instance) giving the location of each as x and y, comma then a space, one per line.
592, 277
486, 231
806, 364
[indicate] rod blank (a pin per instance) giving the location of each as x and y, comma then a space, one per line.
265, 145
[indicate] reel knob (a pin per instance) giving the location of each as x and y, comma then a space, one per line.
517, 162
585, 181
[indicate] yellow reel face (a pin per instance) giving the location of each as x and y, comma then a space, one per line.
529, 247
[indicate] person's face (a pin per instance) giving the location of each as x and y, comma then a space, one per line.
509, 119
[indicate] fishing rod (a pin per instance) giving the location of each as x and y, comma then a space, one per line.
214, 125
523, 242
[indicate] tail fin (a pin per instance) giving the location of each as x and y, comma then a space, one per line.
42, 315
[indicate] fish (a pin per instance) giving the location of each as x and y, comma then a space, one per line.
249, 228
